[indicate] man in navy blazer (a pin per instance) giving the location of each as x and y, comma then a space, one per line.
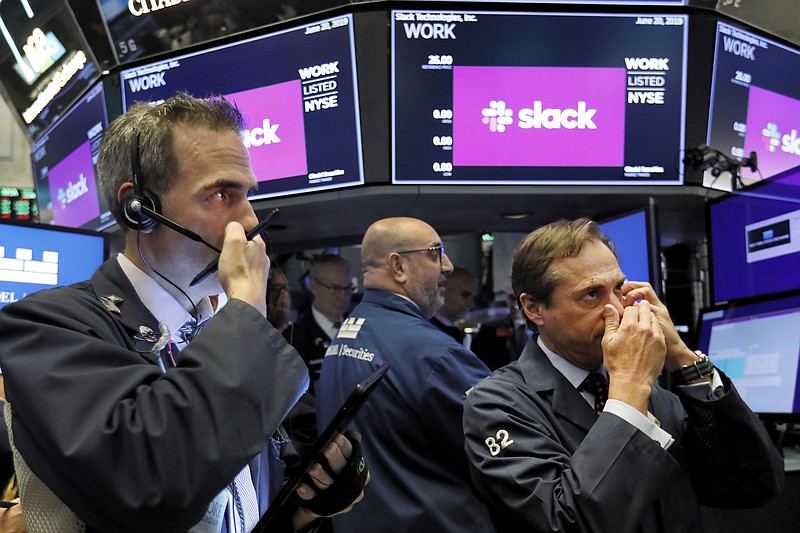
547, 461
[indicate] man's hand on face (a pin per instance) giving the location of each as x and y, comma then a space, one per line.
633, 353
244, 267
678, 354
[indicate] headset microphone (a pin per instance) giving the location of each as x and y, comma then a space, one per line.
137, 207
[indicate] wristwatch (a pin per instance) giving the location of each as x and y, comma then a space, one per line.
686, 374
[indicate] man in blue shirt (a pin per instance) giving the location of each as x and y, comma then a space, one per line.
411, 424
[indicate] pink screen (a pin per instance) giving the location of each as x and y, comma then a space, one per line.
773, 121
276, 133
538, 116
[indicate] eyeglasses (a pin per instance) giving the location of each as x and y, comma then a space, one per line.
336, 289
431, 250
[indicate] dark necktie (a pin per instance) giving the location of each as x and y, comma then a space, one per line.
596, 385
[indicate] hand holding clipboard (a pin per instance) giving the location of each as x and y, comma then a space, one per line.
337, 426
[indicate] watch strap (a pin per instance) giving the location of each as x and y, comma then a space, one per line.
688, 373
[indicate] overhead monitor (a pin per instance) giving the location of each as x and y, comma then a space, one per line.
35, 257
45, 61
64, 166
143, 28
754, 238
755, 103
757, 345
635, 238
296, 88
537, 98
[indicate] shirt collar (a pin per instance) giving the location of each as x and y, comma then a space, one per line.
324, 323
574, 374
162, 304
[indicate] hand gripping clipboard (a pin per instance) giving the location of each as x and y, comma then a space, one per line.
338, 425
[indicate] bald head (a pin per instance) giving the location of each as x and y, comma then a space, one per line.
390, 235
395, 257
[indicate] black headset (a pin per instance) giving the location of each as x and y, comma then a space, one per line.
132, 204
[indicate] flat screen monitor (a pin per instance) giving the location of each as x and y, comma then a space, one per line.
754, 238
45, 61
296, 88
35, 257
142, 28
64, 166
634, 237
757, 345
19, 204
537, 98
755, 103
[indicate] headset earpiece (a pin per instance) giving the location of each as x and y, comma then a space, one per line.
131, 203
131, 210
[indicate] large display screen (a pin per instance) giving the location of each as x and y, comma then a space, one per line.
141, 28
551, 98
64, 166
755, 239
757, 345
36, 257
755, 103
45, 62
296, 88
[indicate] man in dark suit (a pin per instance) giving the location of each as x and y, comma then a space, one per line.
330, 281
554, 447
142, 401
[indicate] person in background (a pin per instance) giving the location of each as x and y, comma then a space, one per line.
459, 297
578, 436
330, 281
498, 341
138, 401
279, 301
411, 423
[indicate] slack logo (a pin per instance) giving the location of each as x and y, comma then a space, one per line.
772, 138
553, 119
73, 191
266, 134
498, 116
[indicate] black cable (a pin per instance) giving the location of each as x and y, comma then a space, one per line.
139, 248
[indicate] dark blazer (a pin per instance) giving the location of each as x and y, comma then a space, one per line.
125, 446
546, 462
310, 341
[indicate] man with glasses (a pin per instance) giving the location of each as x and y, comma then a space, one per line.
412, 423
330, 280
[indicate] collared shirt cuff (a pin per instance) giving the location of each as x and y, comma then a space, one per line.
649, 425
703, 390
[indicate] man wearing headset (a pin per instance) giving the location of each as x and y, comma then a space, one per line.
131, 427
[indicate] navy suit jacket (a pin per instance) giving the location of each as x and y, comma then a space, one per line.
125, 446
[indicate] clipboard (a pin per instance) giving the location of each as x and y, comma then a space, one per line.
338, 425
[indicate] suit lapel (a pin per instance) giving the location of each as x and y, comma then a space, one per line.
566, 402
117, 295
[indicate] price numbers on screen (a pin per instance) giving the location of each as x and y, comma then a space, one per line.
743, 77
445, 167
445, 141
440, 60
443, 114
